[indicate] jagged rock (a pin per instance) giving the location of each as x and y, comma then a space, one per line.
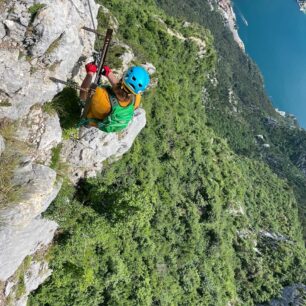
236, 209
15, 30
150, 68
2, 30
225, 7
113, 22
2, 145
293, 295
260, 137
18, 242
85, 156
22, 231
36, 274
273, 236
42, 131
126, 59
57, 42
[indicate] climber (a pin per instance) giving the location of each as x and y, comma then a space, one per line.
112, 107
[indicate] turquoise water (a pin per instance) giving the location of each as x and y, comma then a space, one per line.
275, 38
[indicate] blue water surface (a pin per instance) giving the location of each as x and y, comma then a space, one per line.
274, 33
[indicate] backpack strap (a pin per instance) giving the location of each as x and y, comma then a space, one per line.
113, 99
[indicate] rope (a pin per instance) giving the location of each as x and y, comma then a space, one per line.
91, 14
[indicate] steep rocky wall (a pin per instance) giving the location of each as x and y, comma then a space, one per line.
225, 7
85, 156
46, 40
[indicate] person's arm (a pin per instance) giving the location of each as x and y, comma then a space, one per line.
91, 69
107, 72
86, 84
112, 79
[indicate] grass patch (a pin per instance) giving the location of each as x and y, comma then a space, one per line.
55, 159
21, 55
49, 108
34, 10
54, 45
66, 104
19, 288
113, 56
71, 133
29, 58
5, 103
57, 164
9, 161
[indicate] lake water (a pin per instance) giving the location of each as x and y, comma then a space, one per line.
274, 33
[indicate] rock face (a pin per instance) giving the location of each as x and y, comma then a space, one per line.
46, 40
228, 13
22, 230
86, 155
294, 295
42, 131
36, 274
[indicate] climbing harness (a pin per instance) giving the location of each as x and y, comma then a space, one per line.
119, 117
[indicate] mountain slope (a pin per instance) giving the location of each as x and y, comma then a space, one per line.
238, 108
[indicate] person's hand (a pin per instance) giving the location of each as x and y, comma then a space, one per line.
91, 67
106, 71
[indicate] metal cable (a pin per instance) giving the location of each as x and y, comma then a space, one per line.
92, 18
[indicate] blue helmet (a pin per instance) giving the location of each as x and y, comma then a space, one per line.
136, 79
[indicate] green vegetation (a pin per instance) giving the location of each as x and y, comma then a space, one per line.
34, 9
236, 71
19, 289
67, 105
5, 103
9, 160
54, 45
179, 219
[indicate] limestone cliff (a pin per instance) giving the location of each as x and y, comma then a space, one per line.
225, 6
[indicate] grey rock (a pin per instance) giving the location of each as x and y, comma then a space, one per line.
260, 137
8, 288
273, 236
150, 68
22, 231
39, 187
36, 274
18, 242
86, 155
2, 145
16, 30
294, 295
12, 79
42, 131
2, 30
55, 41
